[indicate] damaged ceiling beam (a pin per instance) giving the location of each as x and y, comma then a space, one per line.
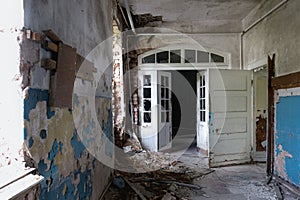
146, 19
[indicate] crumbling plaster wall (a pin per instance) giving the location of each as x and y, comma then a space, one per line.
279, 34
51, 136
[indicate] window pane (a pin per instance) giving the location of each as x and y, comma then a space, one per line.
175, 56
147, 117
162, 90
167, 105
147, 105
168, 116
166, 81
201, 117
202, 57
167, 93
163, 117
203, 104
190, 56
162, 81
216, 58
162, 57
149, 59
162, 105
202, 92
201, 83
147, 92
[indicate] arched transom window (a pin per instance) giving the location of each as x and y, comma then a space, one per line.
182, 56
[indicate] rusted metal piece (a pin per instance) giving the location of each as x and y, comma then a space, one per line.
271, 106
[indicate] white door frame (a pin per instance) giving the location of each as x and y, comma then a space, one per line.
203, 126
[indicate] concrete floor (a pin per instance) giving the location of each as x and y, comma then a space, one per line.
238, 182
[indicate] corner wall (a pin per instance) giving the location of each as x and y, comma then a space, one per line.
279, 34
52, 138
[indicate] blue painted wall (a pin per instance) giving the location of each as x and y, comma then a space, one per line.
287, 135
78, 184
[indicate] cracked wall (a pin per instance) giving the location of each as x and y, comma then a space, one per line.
53, 136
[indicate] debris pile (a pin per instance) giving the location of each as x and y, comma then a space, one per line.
175, 181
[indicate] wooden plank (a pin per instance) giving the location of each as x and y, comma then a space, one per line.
50, 46
48, 64
8, 177
36, 36
286, 81
271, 106
61, 91
135, 189
20, 186
52, 36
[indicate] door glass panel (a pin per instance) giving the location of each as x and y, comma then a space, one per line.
166, 81
163, 117
168, 116
167, 91
147, 117
167, 104
162, 92
147, 80
147, 105
162, 57
202, 99
147, 92
175, 56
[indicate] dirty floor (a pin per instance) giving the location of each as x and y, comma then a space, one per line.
189, 178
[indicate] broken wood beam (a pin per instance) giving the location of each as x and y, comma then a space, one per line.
135, 189
52, 36
48, 64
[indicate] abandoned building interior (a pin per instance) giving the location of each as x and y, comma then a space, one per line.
141, 99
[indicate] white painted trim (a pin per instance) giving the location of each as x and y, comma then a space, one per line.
289, 92
259, 63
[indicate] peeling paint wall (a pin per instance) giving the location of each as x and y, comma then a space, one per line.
287, 137
53, 135
279, 34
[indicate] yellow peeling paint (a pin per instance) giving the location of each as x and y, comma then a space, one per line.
60, 127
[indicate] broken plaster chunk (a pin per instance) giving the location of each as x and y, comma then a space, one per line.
127, 149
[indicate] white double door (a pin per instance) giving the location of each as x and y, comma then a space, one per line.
155, 109
224, 115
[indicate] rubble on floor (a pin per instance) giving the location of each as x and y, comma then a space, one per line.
173, 181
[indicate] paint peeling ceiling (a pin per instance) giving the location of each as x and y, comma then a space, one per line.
194, 10
223, 15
